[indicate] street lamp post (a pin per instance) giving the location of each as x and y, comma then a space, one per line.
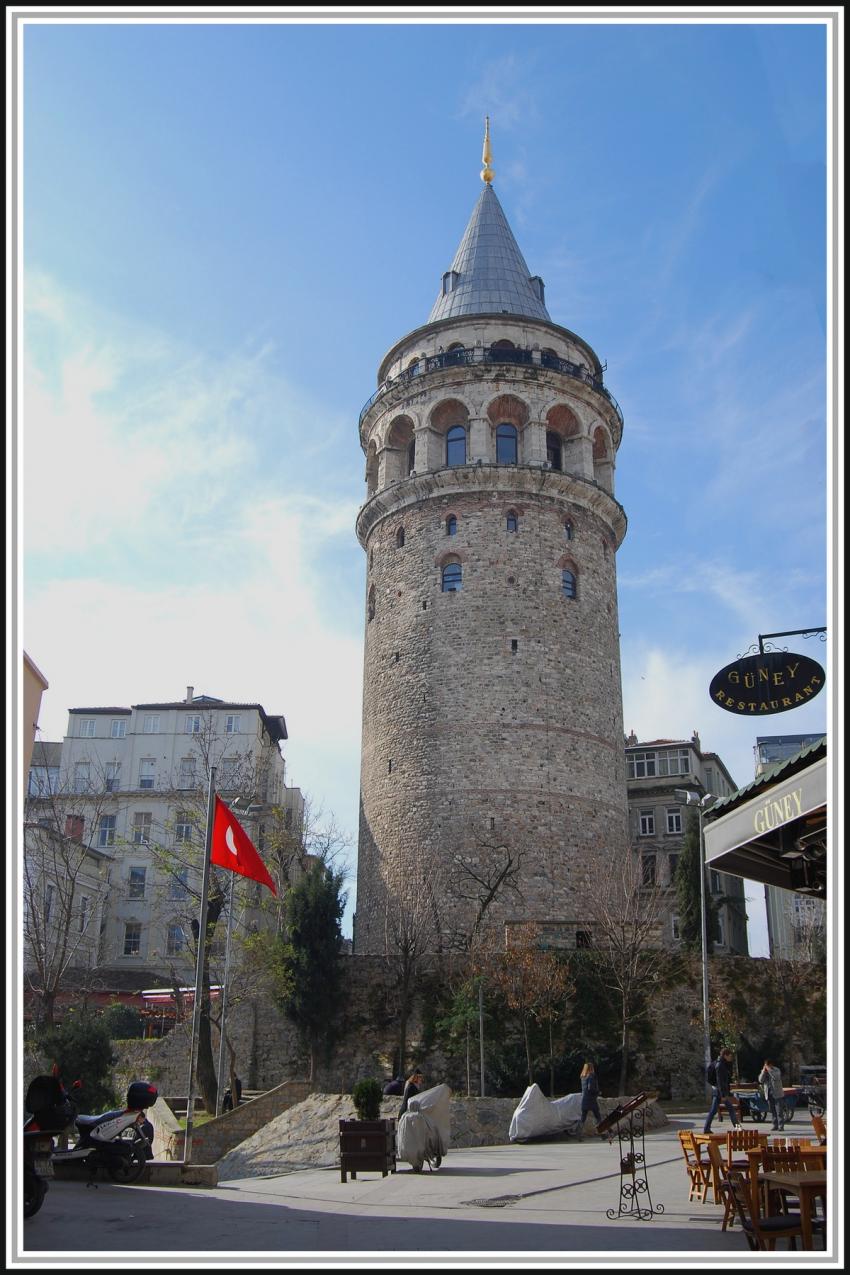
692, 798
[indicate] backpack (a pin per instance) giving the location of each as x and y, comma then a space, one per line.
711, 1073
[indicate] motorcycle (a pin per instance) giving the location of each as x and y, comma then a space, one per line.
119, 1141
50, 1112
423, 1130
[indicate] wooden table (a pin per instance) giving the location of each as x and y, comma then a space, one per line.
702, 1140
814, 1159
807, 1187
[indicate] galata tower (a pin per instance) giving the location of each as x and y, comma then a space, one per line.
492, 752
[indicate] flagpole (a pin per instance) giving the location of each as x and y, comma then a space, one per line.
199, 970
223, 1009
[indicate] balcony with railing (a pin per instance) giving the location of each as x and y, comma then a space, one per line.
466, 357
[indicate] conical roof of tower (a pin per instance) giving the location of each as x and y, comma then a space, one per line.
492, 275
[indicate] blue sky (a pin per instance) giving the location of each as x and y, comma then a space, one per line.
227, 225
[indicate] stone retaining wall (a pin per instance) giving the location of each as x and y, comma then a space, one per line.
214, 1138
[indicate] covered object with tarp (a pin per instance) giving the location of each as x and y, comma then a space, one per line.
775, 829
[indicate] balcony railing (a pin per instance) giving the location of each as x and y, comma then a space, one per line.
467, 357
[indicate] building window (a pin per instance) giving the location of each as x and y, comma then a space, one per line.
512, 522
568, 584
674, 927
674, 763
227, 772
456, 446
714, 881
411, 457
43, 780
584, 939
506, 444
175, 940
641, 765
151, 724
193, 724
112, 776
82, 772
48, 902
452, 577
136, 883
106, 831
132, 938
142, 828
646, 823
186, 777
371, 604
183, 828
84, 912
179, 887
451, 525
672, 865
399, 538
674, 819
147, 767
232, 724
647, 869
74, 826
553, 449
568, 530
119, 728
87, 728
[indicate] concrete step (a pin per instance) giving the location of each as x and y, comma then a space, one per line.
156, 1173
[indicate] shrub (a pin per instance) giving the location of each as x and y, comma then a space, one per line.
81, 1047
367, 1095
123, 1022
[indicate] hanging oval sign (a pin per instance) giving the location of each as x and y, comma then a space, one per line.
772, 682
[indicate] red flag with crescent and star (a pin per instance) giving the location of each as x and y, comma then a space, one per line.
232, 848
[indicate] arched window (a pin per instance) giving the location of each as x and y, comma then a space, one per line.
452, 577
411, 456
506, 444
371, 608
568, 583
553, 449
451, 525
456, 446
568, 529
399, 538
512, 522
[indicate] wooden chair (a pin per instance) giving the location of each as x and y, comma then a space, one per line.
698, 1174
819, 1126
761, 1232
740, 1140
718, 1170
787, 1160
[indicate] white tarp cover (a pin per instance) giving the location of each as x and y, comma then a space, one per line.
536, 1115
423, 1131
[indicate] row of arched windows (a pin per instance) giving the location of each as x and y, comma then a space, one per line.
511, 524
451, 581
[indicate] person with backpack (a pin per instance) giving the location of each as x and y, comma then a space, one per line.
719, 1076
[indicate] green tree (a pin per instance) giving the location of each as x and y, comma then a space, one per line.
303, 963
687, 882
82, 1049
123, 1022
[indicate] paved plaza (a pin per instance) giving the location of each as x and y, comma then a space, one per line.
535, 1200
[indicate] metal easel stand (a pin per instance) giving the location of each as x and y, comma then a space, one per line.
634, 1185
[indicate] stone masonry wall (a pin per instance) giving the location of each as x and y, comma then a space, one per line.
269, 1053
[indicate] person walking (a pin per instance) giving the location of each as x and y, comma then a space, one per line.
589, 1094
770, 1079
415, 1081
721, 1089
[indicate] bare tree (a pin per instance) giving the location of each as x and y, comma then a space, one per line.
624, 906
411, 934
482, 873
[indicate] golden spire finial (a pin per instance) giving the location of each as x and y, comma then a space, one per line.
486, 154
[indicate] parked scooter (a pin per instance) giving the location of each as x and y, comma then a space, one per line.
119, 1141
423, 1130
50, 1112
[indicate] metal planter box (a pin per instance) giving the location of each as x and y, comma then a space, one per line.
368, 1145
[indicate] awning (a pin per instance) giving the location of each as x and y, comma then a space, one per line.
776, 835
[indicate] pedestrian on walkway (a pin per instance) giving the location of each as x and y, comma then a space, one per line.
721, 1089
415, 1084
770, 1079
589, 1094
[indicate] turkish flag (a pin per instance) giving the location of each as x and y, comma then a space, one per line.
232, 847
